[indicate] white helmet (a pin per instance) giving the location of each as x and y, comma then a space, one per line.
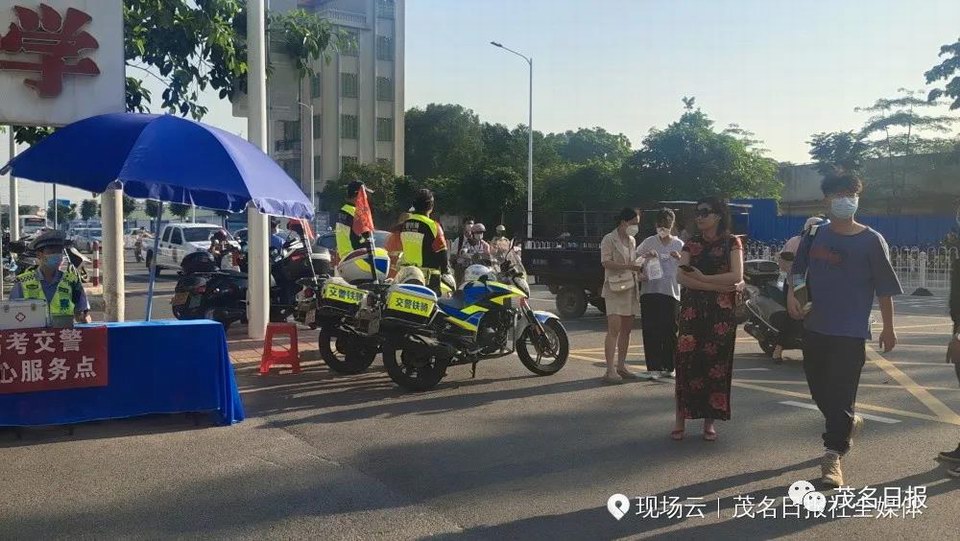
475, 272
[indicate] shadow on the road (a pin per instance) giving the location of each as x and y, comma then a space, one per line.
596, 523
113, 428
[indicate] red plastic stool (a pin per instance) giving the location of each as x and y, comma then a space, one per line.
288, 356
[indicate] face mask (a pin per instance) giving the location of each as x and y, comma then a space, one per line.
843, 208
632, 230
54, 260
663, 232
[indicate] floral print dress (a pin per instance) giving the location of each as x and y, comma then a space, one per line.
708, 333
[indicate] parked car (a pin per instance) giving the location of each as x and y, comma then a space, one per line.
178, 240
83, 238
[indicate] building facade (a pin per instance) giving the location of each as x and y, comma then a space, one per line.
353, 108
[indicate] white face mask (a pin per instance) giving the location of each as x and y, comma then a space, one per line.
843, 208
633, 230
663, 232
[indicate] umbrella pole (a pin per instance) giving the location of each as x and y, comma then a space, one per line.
153, 262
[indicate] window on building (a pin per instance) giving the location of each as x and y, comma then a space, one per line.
317, 126
384, 129
348, 85
386, 8
349, 127
384, 48
351, 43
347, 160
317, 167
291, 130
316, 85
384, 89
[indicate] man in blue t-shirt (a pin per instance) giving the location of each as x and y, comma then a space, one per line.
847, 265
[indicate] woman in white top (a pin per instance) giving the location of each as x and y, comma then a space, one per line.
620, 292
660, 296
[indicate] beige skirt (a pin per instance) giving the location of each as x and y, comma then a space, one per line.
622, 303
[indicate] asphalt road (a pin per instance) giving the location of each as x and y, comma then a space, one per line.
504, 455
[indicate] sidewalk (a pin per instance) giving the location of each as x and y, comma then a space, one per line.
246, 351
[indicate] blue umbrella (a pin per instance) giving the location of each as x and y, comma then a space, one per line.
163, 157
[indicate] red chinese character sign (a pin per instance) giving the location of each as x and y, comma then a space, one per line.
35, 360
60, 60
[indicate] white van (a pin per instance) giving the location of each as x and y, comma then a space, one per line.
178, 240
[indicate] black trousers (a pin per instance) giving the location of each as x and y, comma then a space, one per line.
659, 319
833, 365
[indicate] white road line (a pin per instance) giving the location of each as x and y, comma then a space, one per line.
877, 418
751, 369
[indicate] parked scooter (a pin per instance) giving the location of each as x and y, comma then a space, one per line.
768, 320
206, 290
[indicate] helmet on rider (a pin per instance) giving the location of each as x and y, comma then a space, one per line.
478, 231
475, 273
219, 235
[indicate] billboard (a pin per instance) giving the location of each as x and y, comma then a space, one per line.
60, 60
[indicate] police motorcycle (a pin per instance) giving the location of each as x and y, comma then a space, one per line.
208, 290
488, 317
333, 304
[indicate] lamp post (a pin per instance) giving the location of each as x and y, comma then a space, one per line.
307, 167
529, 140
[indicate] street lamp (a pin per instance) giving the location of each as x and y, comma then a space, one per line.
307, 151
529, 141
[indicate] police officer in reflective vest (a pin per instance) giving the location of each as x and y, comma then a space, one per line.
347, 240
423, 243
61, 290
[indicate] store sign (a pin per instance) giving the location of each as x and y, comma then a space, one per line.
34, 360
60, 60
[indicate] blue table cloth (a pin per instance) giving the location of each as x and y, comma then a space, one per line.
155, 367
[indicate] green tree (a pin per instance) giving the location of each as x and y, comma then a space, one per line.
948, 70
180, 210
844, 150
898, 130
151, 208
65, 213
129, 206
24, 209
442, 140
586, 144
377, 177
89, 208
689, 159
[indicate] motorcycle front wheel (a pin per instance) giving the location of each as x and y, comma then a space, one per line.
344, 354
555, 347
415, 372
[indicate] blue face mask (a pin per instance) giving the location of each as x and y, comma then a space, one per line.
53, 260
843, 208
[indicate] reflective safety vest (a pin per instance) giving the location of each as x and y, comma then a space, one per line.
419, 236
347, 241
62, 302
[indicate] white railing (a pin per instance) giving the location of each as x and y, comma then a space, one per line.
927, 268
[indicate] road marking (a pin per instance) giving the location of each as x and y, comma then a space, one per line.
885, 420
750, 369
860, 405
926, 326
955, 420
862, 385
931, 402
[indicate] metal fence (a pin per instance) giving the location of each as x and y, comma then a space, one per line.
927, 268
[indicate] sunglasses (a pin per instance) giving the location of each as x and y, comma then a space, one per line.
703, 212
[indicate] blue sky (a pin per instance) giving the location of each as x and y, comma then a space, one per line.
784, 69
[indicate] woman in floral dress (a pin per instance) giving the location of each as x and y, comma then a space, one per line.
708, 327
